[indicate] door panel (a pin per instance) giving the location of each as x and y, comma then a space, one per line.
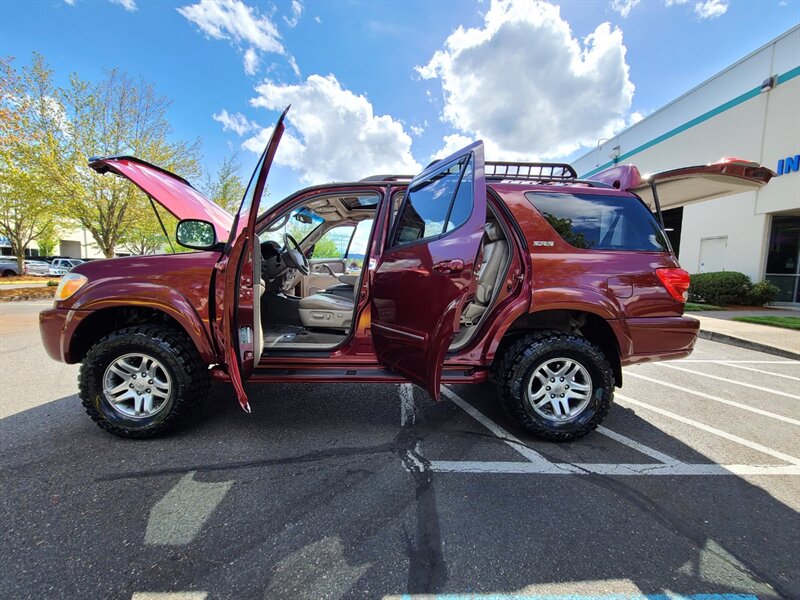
427, 273
241, 266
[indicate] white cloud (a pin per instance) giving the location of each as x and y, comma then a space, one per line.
526, 86
711, 9
70, 2
129, 5
623, 7
334, 134
318, 20
242, 25
417, 130
297, 10
236, 122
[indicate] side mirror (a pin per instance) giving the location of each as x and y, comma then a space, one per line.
196, 234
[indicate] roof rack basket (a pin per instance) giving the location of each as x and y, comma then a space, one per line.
530, 171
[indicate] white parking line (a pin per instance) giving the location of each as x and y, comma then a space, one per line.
747, 407
678, 468
538, 464
726, 380
770, 373
738, 362
533, 457
646, 450
713, 430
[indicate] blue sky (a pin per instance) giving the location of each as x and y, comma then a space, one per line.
381, 86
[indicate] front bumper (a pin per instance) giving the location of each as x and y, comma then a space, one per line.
54, 327
655, 338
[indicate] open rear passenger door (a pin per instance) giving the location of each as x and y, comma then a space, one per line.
243, 339
426, 273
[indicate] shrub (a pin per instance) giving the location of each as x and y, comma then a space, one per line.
763, 293
722, 287
52, 283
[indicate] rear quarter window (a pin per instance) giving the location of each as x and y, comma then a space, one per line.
596, 222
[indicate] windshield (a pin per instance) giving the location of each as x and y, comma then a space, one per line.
299, 223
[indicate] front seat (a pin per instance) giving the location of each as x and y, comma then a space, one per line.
490, 273
330, 309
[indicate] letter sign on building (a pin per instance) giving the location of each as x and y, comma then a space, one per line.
788, 164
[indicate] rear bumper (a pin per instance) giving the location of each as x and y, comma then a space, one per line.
655, 338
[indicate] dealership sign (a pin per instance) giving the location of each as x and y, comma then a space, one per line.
788, 164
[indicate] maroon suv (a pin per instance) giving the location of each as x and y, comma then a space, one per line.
516, 272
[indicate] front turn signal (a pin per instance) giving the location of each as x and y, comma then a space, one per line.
69, 284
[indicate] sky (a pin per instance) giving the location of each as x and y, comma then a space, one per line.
385, 87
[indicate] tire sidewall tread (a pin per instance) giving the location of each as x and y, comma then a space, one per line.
529, 352
178, 355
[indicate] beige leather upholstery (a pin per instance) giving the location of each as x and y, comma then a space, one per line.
326, 310
490, 273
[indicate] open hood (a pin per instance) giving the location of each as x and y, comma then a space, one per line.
678, 187
174, 193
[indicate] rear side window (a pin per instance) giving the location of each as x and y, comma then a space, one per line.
437, 204
600, 222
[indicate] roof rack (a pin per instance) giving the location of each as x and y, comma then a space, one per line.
388, 178
530, 171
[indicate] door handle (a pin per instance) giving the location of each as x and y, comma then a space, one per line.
449, 266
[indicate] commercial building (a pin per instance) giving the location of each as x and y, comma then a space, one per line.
751, 110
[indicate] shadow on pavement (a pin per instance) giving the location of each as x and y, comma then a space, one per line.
321, 493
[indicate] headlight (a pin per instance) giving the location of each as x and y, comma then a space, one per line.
69, 284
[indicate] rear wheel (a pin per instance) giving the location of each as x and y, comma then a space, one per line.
8, 273
557, 385
142, 381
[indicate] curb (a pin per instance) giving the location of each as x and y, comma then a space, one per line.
749, 345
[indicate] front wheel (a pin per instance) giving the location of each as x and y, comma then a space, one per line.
557, 385
142, 381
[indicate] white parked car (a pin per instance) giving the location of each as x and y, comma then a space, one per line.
62, 266
39, 268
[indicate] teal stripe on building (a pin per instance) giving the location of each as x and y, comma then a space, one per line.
789, 75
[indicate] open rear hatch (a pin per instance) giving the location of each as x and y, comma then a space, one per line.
678, 187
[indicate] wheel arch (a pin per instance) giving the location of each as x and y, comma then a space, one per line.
102, 321
590, 325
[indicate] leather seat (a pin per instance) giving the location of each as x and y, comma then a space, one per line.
490, 274
332, 308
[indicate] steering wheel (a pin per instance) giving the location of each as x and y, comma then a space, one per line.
293, 256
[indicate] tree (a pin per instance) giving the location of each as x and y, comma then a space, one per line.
119, 115
25, 190
226, 187
47, 240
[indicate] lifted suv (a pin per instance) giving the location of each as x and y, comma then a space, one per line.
515, 272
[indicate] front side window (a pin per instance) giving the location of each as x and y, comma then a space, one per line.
598, 222
437, 204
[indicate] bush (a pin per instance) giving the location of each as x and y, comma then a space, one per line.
52, 283
763, 293
722, 287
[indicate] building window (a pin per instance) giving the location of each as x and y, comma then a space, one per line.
783, 257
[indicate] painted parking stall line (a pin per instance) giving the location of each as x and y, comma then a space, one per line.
747, 407
536, 464
727, 380
760, 371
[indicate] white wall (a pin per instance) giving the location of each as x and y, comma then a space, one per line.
764, 128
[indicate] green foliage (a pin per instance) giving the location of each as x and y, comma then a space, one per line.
226, 187
26, 190
784, 322
763, 293
47, 240
730, 287
52, 284
327, 248
563, 227
117, 115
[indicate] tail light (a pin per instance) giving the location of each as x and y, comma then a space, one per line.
676, 281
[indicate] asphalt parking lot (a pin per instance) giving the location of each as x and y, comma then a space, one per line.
692, 487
